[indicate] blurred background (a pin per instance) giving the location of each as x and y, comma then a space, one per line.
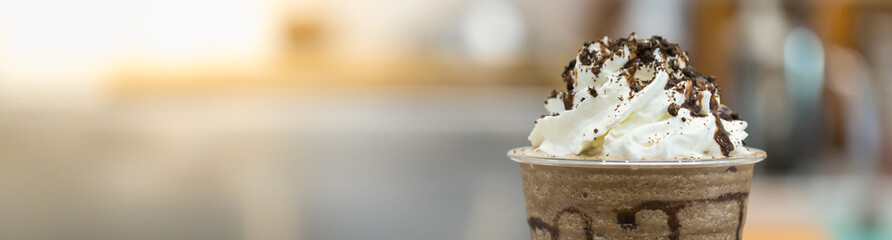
390, 119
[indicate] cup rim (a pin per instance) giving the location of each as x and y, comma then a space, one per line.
522, 155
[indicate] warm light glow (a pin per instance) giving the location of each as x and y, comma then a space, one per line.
75, 43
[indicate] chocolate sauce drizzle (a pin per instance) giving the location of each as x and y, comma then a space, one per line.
721, 136
626, 217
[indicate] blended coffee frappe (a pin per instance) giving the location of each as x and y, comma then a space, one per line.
638, 146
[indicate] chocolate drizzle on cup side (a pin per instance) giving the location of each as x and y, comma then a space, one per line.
626, 218
537, 223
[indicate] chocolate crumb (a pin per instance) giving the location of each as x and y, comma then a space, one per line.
727, 114
587, 44
568, 100
595, 70
673, 109
585, 56
569, 75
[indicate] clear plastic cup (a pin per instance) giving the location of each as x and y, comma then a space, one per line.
611, 198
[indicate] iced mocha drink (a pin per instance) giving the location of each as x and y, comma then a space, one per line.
638, 146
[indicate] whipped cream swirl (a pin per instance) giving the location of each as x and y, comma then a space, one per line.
637, 99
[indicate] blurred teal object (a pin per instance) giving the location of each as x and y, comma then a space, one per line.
855, 232
804, 66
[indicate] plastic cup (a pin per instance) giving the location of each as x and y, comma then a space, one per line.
611, 198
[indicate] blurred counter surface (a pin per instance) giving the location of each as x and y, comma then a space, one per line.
335, 162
